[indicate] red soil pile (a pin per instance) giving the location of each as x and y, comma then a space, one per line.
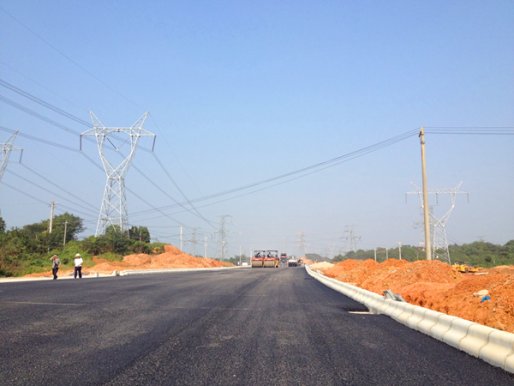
171, 258
438, 286
307, 261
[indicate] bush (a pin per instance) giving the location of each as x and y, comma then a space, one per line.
156, 248
140, 247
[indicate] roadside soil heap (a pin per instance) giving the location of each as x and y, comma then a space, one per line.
438, 286
172, 257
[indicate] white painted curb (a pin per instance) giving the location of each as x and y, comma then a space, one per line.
164, 270
94, 275
494, 346
499, 343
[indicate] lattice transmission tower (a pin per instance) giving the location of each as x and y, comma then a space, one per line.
440, 248
114, 204
351, 239
222, 238
6, 149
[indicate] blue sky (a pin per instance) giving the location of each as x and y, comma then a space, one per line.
240, 91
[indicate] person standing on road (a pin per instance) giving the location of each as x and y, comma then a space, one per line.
55, 265
78, 266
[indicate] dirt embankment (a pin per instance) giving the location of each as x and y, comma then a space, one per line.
171, 258
438, 286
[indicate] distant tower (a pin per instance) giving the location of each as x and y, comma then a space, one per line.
440, 248
222, 234
301, 242
351, 238
6, 149
114, 204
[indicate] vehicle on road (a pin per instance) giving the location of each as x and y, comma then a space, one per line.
265, 258
292, 261
283, 259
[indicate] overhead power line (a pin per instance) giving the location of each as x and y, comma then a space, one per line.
41, 140
471, 130
189, 202
66, 114
314, 168
34, 197
88, 204
43, 103
305, 171
151, 206
68, 58
36, 115
169, 195
48, 191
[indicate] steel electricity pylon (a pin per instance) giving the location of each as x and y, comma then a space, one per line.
114, 204
6, 149
440, 249
351, 238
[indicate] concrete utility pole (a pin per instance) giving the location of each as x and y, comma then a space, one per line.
181, 237
426, 215
205, 246
399, 250
65, 230
51, 221
114, 204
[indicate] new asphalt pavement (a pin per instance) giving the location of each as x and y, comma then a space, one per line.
233, 327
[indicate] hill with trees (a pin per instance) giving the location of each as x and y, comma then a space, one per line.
478, 253
28, 249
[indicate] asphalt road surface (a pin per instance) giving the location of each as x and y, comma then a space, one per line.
236, 327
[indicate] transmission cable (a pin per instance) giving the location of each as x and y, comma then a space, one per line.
311, 169
85, 123
35, 198
471, 130
151, 206
91, 206
46, 142
47, 190
35, 114
181, 192
78, 65
43, 103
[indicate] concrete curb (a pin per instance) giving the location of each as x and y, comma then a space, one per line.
95, 275
493, 346
152, 271
50, 278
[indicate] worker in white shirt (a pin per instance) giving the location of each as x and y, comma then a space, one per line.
78, 266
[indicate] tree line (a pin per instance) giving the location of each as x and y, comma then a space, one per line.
478, 253
28, 249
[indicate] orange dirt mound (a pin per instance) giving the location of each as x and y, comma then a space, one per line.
172, 249
438, 286
171, 258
